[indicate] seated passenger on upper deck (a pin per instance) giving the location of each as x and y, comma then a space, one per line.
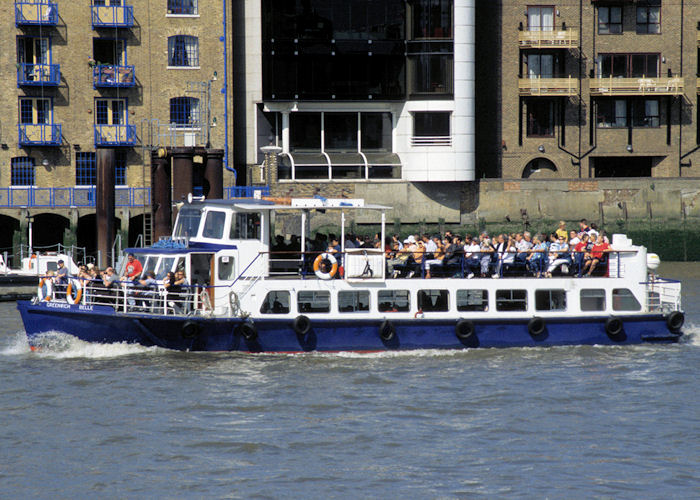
597, 256
133, 268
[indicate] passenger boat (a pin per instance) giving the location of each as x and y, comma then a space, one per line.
243, 296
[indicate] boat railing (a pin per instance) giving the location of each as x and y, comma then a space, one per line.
663, 295
373, 263
127, 297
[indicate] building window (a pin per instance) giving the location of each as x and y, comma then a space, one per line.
109, 51
184, 112
305, 131
31, 53
609, 20
645, 113
612, 113
618, 113
649, 17
185, 7
628, 65
183, 51
540, 118
430, 73
431, 19
540, 65
35, 110
22, 171
431, 123
340, 131
540, 18
86, 168
110, 112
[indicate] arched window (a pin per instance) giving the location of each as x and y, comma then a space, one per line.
540, 168
184, 112
183, 50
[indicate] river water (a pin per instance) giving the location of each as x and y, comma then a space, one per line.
569, 422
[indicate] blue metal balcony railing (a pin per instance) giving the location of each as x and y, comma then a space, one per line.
112, 16
44, 13
39, 134
38, 74
232, 192
115, 135
109, 75
84, 197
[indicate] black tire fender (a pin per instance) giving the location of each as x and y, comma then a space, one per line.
189, 330
536, 326
301, 325
247, 330
464, 329
675, 320
387, 330
613, 326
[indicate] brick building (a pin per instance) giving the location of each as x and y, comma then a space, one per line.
588, 88
124, 74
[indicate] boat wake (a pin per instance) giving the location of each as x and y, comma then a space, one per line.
691, 334
59, 345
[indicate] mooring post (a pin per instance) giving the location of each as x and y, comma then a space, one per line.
214, 173
104, 205
161, 201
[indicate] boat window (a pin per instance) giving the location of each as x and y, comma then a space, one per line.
624, 300
214, 225
393, 300
353, 301
165, 265
472, 300
593, 299
149, 264
550, 300
245, 226
276, 302
511, 300
314, 302
226, 267
52, 266
433, 300
187, 222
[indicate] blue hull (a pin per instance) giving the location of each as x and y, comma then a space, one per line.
102, 324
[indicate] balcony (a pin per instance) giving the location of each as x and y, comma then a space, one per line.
115, 135
39, 134
564, 39
112, 16
108, 75
610, 86
43, 13
548, 86
38, 74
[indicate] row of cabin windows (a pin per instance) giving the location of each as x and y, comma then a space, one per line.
610, 19
184, 111
278, 301
243, 225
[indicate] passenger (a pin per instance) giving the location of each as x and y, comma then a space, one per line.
486, 252
523, 246
580, 251
438, 255
110, 281
147, 287
133, 268
472, 258
499, 246
597, 255
573, 239
453, 257
417, 250
178, 292
61, 280
593, 232
395, 239
559, 256
537, 257
508, 259
561, 230
584, 226
430, 247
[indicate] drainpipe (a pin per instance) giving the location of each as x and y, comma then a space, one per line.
225, 89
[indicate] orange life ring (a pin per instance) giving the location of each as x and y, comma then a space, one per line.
317, 266
32, 261
78, 292
49, 289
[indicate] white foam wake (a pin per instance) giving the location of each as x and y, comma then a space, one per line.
691, 334
63, 346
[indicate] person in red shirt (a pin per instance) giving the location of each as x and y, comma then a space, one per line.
596, 255
580, 252
133, 268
